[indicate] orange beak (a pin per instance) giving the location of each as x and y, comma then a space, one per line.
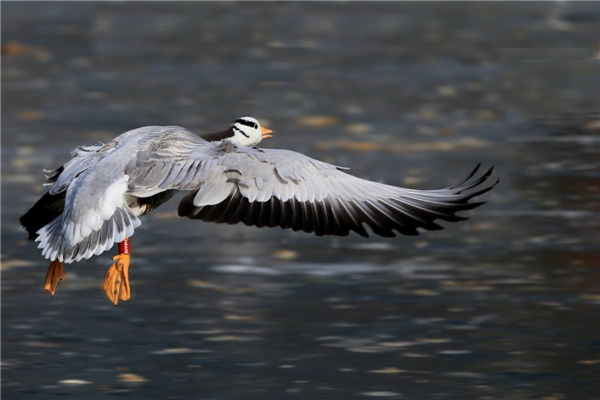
266, 133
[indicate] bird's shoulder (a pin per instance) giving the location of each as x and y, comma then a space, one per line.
158, 134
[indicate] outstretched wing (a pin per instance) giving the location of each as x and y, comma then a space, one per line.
262, 187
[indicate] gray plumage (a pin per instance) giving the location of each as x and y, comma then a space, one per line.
108, 187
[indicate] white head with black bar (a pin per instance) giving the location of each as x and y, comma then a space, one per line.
247, 131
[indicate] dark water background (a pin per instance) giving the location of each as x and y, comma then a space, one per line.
503, 306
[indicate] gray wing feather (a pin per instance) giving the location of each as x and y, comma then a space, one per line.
83, 158
263, 187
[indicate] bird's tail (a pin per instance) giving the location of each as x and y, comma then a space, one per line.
55, 244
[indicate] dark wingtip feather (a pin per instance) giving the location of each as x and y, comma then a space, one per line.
476, 182
44, 211
186, 206
456, 199
468, 177
482, 191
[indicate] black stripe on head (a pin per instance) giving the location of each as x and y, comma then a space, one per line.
236, 129
247, 123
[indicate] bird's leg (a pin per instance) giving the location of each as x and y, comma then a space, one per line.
53, 276
116, 284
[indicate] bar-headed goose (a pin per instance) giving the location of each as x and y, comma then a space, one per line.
95, 199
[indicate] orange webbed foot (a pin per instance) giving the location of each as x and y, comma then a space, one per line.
53, 276
116, 284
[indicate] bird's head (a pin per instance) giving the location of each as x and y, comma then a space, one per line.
247, 131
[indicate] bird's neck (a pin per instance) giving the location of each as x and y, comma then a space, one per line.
217, 136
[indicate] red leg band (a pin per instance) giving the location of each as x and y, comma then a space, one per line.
125, 247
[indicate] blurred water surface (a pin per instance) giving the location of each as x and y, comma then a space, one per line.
503, 306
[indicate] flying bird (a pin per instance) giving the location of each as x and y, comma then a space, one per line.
97, 198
